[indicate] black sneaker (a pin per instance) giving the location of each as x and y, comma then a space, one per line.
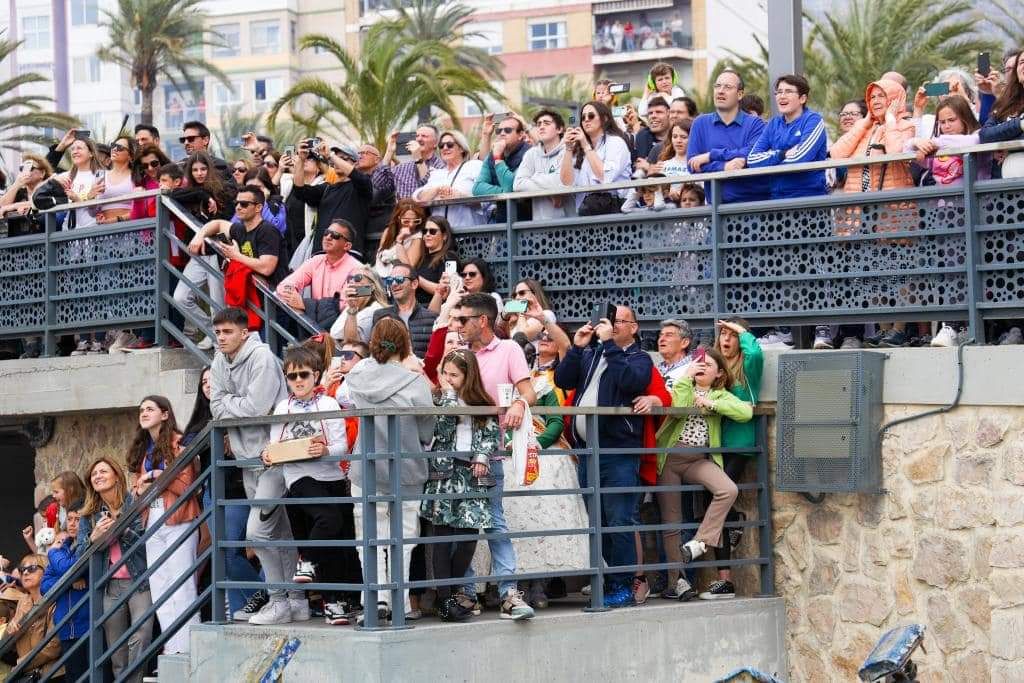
452, 610
253, 605
736, 533
875, 339
893, 339
682, 591
719, 590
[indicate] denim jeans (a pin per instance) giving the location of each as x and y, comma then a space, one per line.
617, 509
503, 555
238, 567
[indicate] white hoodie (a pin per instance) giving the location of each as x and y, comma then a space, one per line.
332, 430
539, 171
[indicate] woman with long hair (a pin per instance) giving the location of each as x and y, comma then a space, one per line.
1005, 121
83, 182
156, 446
68, 493
538, 310
30, 571
402, 239
273, 208
356, 320
439, 247
205, 195
238, 170
151, 160
596, 153
106, 496
123, 177
956, 126
672, 159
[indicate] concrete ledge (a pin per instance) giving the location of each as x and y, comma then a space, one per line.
661, 641
101, 382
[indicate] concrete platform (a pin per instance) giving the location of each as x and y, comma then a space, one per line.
660, 641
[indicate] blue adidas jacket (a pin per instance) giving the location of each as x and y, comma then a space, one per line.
60, 559
801, 141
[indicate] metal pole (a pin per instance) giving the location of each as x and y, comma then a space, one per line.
397, 553
718, 297
594, 517
510, 238
785, 41
218, 529
49, 342
975, 291
162, 279
96, 567
367, 435
764, 510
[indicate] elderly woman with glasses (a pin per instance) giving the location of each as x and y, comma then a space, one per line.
453, 181
364, 296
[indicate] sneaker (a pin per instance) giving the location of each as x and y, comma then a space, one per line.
336, 613
621, 596
299, 608
736, 533
893, 338
96, 347
472, 604
682, 591
305, 572
851, 343
537, 598
139, 345
946, 336
641, 591
32, 350
253, 605
82, 348
585, 590
1014, 336
491, 598
121, 340
453, 610
383, 615
719, 590
776, 339
274, 612
414, 615
693, 549
823, 337
514, 607
961, 336
875, 339
205, 345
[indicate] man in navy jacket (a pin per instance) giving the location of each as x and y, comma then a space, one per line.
611, 374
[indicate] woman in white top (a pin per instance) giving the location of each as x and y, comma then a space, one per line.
455, 180
403, 237
83, 182
672, 160
356, 319
596, 153
123, 177
538, 310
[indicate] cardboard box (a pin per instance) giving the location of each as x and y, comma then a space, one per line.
289, 451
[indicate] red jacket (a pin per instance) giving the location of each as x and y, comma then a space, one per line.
649, 461
145, 207
240, 289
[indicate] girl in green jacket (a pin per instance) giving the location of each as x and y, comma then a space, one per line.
703, 386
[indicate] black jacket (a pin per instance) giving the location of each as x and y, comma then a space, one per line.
421, 325
348, 200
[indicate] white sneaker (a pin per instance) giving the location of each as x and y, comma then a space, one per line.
81, 349
299, 608
693, 549
946, 336
274, 612
305, 572
205, 345
336, 614
122, 340
96, 347
823, 337
776, 339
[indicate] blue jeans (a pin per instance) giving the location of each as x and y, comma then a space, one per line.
617, 509
238, 567
503, 555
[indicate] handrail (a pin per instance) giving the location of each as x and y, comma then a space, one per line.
123, 521
141, 194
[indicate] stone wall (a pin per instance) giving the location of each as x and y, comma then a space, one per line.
943, 547
78, 439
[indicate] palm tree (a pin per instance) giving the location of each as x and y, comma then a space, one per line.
1008, 22
383, 87
159, 39
234, 124
564, 87
21, 112
753, 70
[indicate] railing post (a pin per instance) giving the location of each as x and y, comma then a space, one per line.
975, 322
510, 239
218, 530
271, 333
367, 427
161, 248
594, 516
49, 340
764, 509
96, 567
718, 296
397, 554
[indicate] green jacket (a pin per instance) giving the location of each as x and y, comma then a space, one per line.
553, 424
726, 405
743, 434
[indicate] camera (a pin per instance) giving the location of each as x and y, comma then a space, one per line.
312, 145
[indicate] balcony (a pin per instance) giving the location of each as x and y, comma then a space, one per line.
641, 30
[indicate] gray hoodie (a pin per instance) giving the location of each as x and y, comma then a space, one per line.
389, 385
539, 171
249, 385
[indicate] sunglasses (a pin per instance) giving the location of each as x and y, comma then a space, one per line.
462, 319
507, 130
188, 138
392, 280
301, 374
433, 231
410, 221
244, 203
348, 354
523, 292
152, 164
447, 144
29, 568
334, 235
589, 115
544, 337
270, 164
355, 277
469, 273
118, 147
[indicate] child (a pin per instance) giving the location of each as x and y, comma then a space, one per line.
460, 379
704, 385
68, 494
648, 198
314, 478
61, 558
661, 81
691, 196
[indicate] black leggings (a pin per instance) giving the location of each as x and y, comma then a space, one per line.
326, 522
735, 464
450, 559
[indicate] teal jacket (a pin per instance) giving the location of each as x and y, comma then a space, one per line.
727, 405
742, 434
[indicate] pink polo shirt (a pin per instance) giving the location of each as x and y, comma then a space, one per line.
501, 362
324, 278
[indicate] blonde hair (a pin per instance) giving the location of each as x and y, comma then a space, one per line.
93, 501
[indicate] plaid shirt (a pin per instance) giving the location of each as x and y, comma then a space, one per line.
407, 180
383, 181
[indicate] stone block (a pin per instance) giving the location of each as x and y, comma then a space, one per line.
822, 618
927, 464
971, 666
849, 653
896, 500
958, 508
960, 425
825, 525
1007, 671
864, 602
974, 602
904, 594
809, 663
870, 509
980, 556
851, 547
1008, 507
1007, 587
823, 577
991, 430
940, 560
1013, 464
1007, 550
1007, 640
973, 470
798, 545
922, 503
876, 558
901, 541
945, 624
781, 519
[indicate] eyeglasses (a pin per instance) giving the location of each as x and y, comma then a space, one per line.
392, 280
620, 320
244, 203
788, 91
337, 236
849, 114
463, 319
356, 277
589, 116
447, 144
523, 292
152, 164
348, 354
270, 164
188, 138
118, 147
725, 86
544, 337
507, 130
433, 231
415, 220
466, 274
240, 169
370, 152
29, 568
301, 374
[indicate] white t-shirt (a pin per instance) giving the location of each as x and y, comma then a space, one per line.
81, 184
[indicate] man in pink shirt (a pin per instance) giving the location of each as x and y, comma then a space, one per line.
501, 362
325, 274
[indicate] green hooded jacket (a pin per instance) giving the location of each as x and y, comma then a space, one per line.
726, 405
743, 434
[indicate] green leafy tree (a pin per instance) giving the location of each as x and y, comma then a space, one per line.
159, 39
383, 87
23, 116
233, 124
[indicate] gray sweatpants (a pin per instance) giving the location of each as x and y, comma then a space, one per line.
270, 523
129, 613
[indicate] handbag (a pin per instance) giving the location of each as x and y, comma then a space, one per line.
599, 204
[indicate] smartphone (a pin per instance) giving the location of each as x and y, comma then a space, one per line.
700, 354
618, 88
235, 142
602, 311
83, 134
223, 239
515, 306
364, 290
574, 115
500, 115
335, 363
936, 89
618, 112
451, 268
984, 63
404, 139
289, 150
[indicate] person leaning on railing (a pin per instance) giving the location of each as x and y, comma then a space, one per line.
16, 202
1006, 122
454, 180
596, 153
30, 635
61, 557
356, 319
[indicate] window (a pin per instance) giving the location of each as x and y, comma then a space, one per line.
265, 37
35, 31
267, 91
84, 12
86, 69
41, 68
231, 39
489, 38
548, 35
226, 95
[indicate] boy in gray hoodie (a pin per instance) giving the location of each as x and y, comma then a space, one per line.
539, 169
246, 381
